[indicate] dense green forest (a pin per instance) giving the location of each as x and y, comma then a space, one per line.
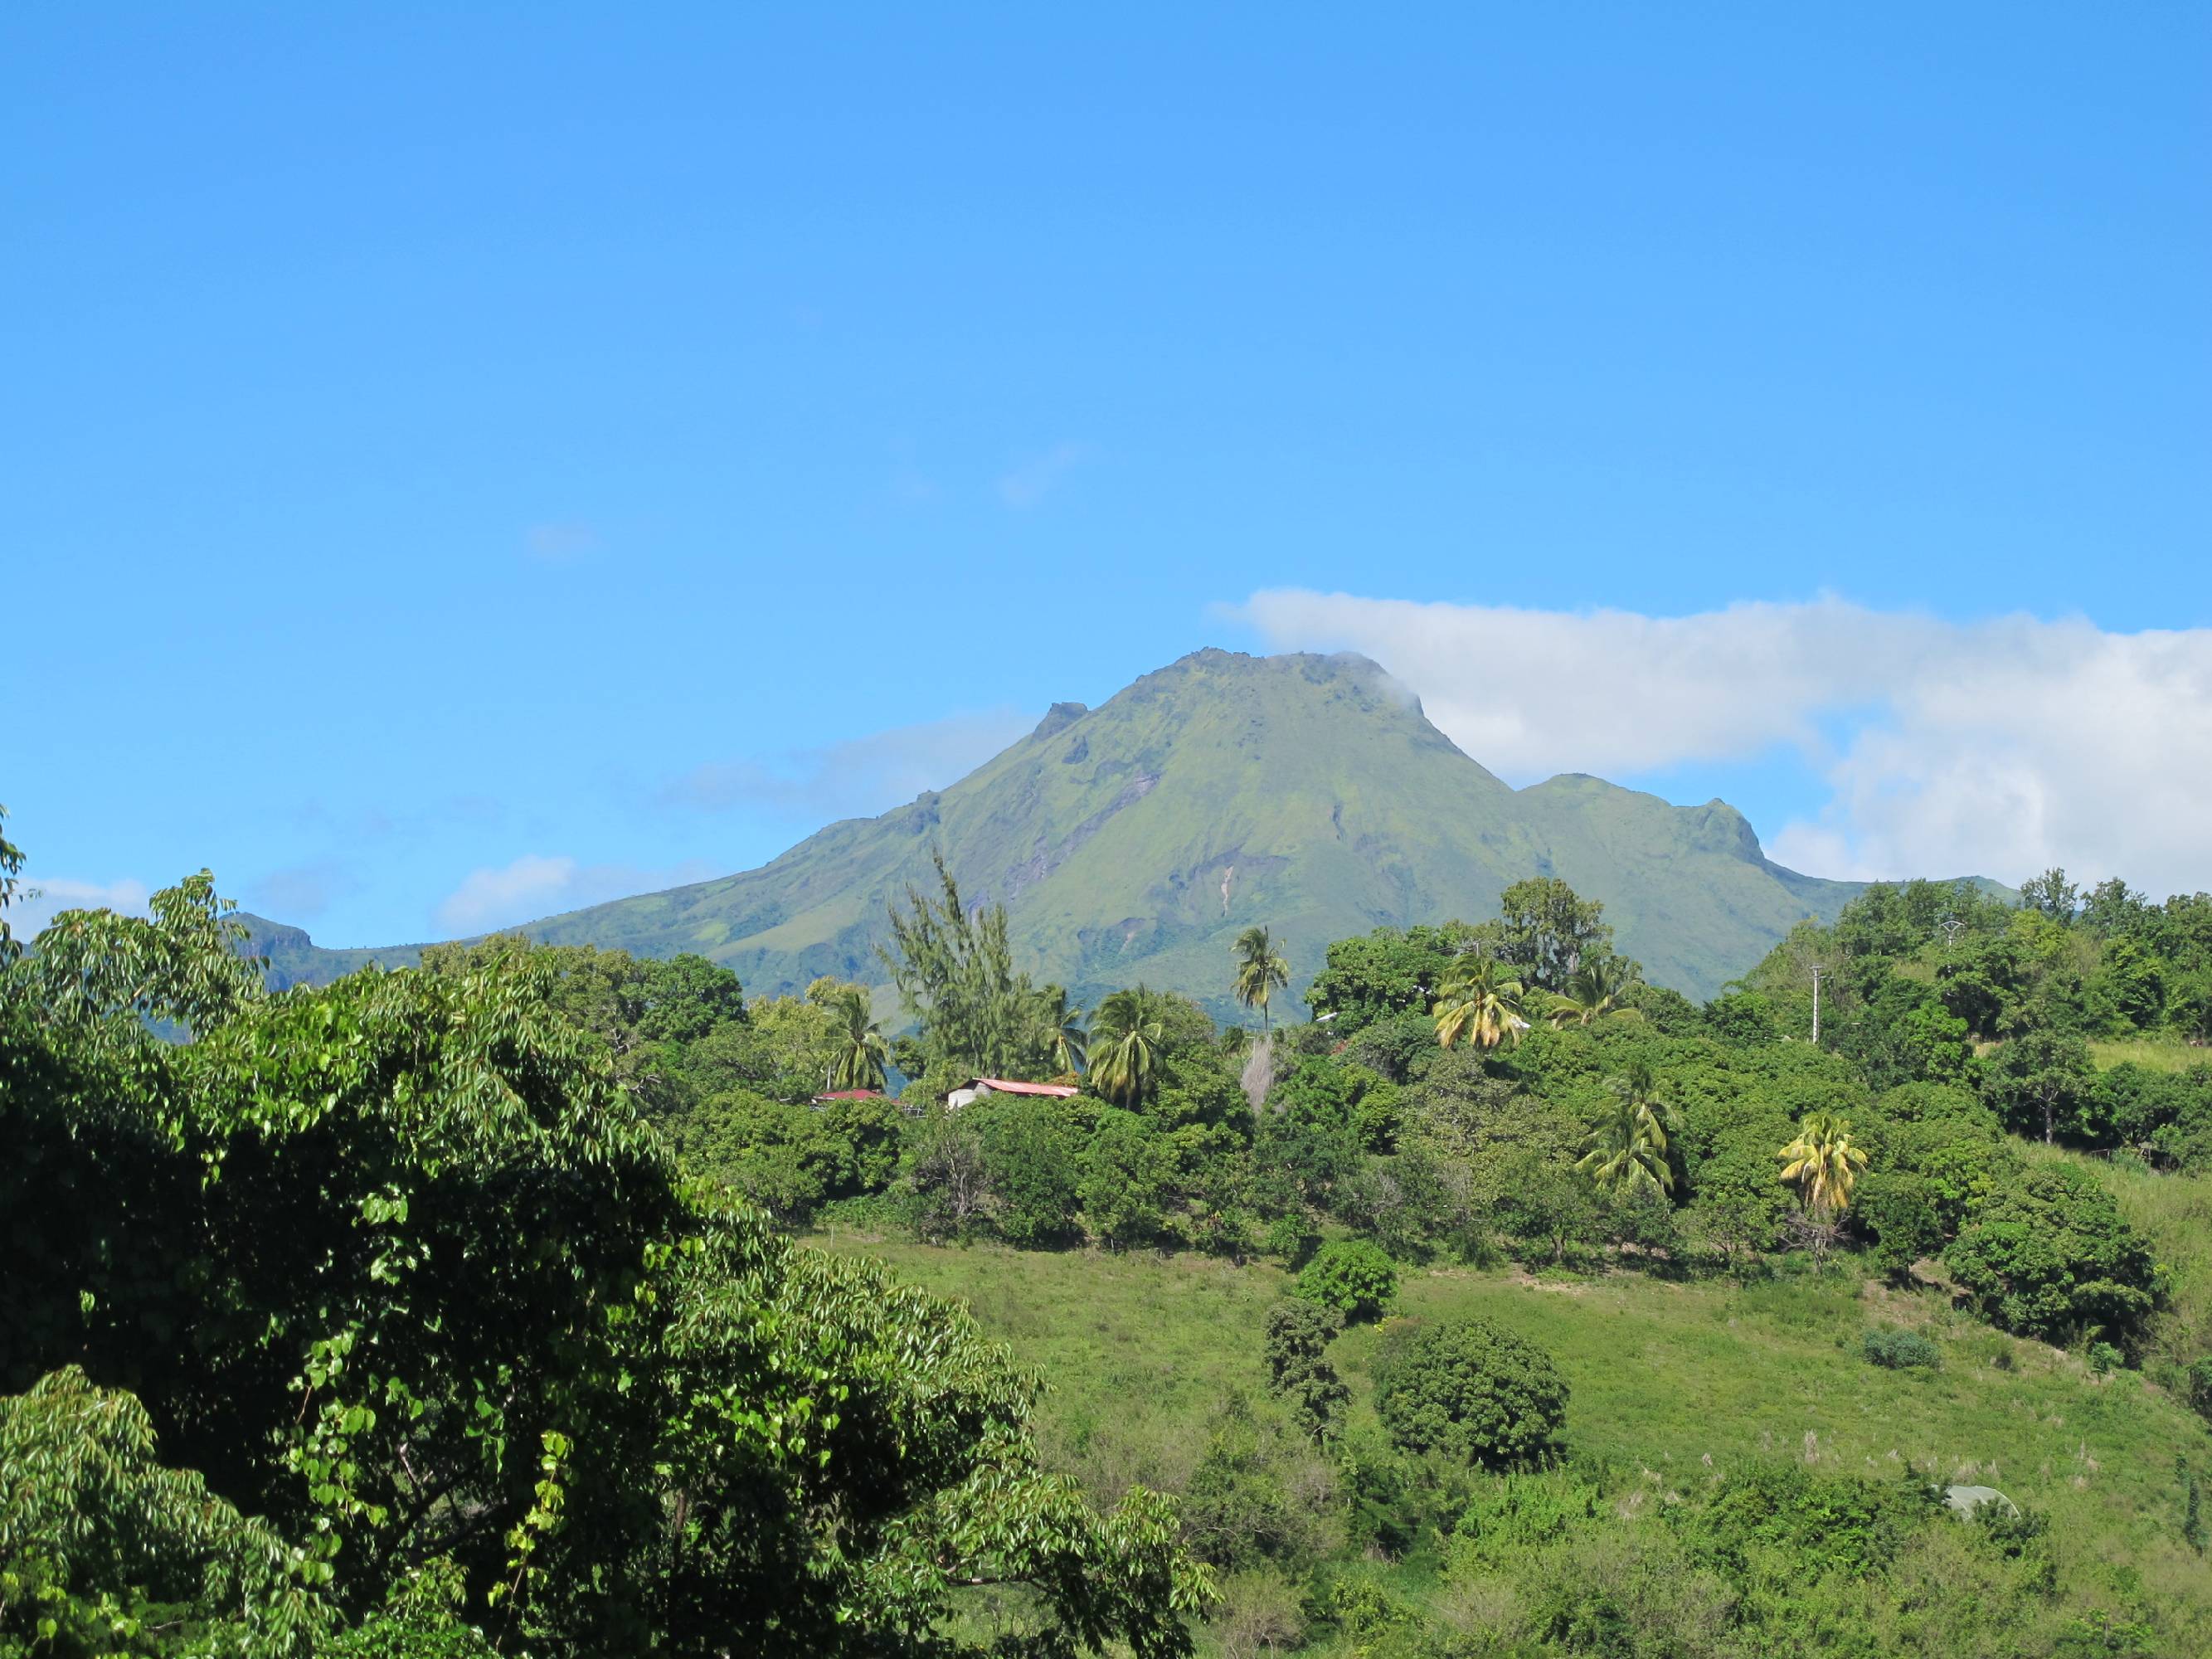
535, 1300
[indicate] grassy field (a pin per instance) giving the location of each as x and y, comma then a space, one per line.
2151, 1056
1679, 1381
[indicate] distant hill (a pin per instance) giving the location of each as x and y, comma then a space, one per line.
1134, 840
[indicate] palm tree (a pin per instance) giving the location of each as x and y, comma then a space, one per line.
1823, 1165
1593, 991
1628, 1147
1059, 1028
1474, 1002
862, 1052
1124, 1044
1260, 969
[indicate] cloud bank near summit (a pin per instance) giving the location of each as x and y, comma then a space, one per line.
1995, 748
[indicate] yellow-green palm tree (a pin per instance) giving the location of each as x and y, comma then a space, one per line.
1124, 1044
1592, 991
862, 1052
1478, 1003
1823, 1165
1260, 968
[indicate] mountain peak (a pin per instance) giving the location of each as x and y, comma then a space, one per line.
1303, 792
1060, 717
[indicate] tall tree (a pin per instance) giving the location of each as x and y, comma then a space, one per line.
2052, 894
1056, 1027
1125, 1038
1627, 1148
954, 972
1595, 990
1478, 1002
861, 1051
1546, 930
1823, 1165
11, 866
1261, 969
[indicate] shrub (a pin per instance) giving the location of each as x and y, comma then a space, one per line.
2104, 1358
2051, 1257
1474, 1391
2197, 1387
1896, 1350
1897, 1213
1298, 1333
1352, 1276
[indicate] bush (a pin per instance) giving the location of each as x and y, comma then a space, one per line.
1898, 1350
1352, 1276
1897, 1214
2051, 1257
2197, 1387
1474, 1391
1298, 1334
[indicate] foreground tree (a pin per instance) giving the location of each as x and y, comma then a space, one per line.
1477, 1002
1261, 971
395, 1268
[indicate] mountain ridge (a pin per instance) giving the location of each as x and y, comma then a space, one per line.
1132, 840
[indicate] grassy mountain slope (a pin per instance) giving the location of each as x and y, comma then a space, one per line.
1684, 1381
1136, 841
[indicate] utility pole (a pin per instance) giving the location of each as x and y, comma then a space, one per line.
1817, 971
1950, 925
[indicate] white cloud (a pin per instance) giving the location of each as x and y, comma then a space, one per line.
1030, 482
537, 886
1991, 748
41, 899
859, 776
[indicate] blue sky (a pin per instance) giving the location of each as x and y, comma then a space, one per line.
465, 461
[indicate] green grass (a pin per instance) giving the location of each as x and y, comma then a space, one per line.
2151, 1054
1679, 1381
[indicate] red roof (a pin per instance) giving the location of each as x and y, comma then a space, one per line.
1000, 1086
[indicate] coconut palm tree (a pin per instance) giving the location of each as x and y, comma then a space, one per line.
1260, 969
862, 1052
1476, 1002
1059, 1029
1593, 991
1125, 1045
1823, 1165
1628, 1147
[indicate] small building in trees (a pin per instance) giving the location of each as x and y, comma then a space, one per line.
977, 1087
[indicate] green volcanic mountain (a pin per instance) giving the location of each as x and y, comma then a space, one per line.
1134, 840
